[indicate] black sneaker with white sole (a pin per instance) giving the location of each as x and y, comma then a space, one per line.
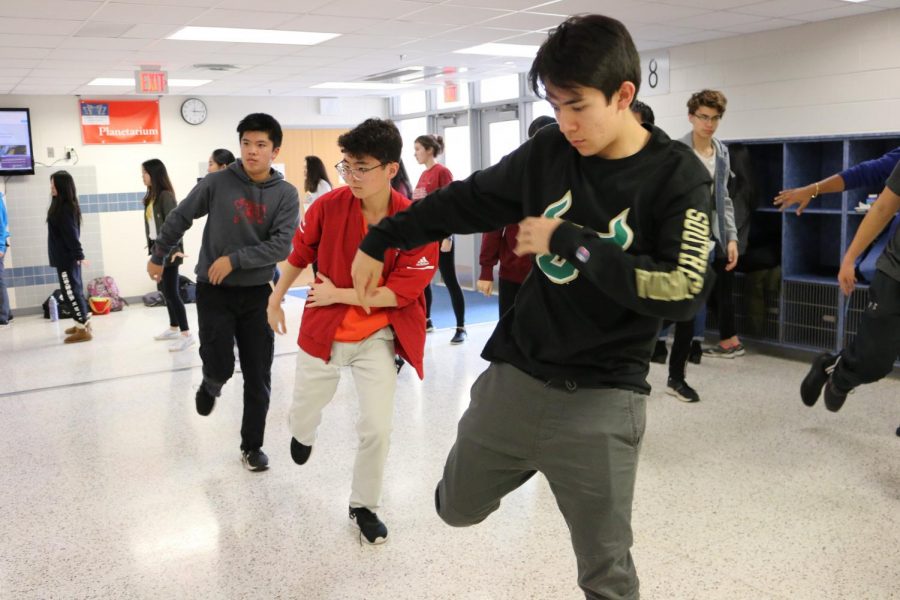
682, 391
459, 337
254, 460
371, 529
812, 384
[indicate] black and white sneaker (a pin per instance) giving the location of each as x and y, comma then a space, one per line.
371, 529
254, 460
834, 396
682, 391
429, 326
459, 337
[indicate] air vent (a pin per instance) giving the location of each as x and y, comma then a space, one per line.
216, 67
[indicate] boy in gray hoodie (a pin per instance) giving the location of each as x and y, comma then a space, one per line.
252, 213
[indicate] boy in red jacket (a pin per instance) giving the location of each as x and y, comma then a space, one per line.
336, 332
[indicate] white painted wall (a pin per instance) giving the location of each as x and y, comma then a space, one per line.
827, 78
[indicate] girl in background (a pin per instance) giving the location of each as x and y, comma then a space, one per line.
158, 203
428, 147
316, 181
219, 160
66, 254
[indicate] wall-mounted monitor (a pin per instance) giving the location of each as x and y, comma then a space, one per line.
16, 152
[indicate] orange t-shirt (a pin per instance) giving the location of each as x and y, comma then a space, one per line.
357, 325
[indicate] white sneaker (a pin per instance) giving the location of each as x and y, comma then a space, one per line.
183, 343
168, 334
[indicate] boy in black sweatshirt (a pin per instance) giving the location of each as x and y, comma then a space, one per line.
252, 213
617, 215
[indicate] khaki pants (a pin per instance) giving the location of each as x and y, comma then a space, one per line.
372, 363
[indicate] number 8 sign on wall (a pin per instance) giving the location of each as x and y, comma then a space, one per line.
654, 74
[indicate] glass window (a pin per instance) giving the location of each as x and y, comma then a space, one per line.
503, 139
411, 102
457, 151
542, 108
410, 129
500, 88
454, 93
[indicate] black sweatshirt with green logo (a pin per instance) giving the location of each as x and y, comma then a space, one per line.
632, 250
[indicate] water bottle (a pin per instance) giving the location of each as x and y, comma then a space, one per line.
53, 308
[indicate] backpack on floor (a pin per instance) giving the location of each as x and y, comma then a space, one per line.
154, 299
105, 287
63, 310
187, 289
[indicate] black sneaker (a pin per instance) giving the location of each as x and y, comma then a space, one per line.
696, 352
429, 326
204, 401
682, 391
459, 337
660, 354
300, 452
834, 397
371, 529
255, 460
812, 384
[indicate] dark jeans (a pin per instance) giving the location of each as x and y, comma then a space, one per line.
724, 296
871, 354
508, 291
447, 267
73, 291
226, 315
174, 304
4, 295
681, 349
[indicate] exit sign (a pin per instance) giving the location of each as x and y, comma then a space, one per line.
151, 82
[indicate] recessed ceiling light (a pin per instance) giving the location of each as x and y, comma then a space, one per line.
359, 85
251, 36
129, 82
518, 50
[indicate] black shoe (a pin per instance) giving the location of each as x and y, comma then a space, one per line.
660, 354
204, 401
399, 362
255, 460
682, 391
812, 384
371, 529
696, 352
834, 397
459, 337
300, 452
429, 326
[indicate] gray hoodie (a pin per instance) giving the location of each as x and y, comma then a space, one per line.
250, 223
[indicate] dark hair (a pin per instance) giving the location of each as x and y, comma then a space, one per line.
159, 180
401, 182
222, 157
432, 142
378, 138
589, 51
539, 123
315, 172
643, 111
65, 195
713, 99
261, 122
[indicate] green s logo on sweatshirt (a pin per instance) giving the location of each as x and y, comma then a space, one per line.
559, 270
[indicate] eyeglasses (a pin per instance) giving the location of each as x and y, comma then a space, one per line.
344, 170
708, 119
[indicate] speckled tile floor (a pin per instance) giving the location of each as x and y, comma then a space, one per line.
114, 488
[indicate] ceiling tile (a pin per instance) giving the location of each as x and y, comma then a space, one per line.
116, 12
452, 14
717, 20
524, 21
387, 9
293, 6
848, 10
151, 31
327, 24
473, 35
787, 8
242, 19
40, 9
534, 5
40, 27
765, 25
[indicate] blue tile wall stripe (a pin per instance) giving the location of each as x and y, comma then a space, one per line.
27, 276
100, 203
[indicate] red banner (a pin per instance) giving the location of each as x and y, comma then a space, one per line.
120, 122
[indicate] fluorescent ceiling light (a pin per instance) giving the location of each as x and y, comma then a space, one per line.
518, 50
856, 1
129, 82
360, 85
251, 36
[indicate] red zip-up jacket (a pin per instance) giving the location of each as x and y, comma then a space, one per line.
331, 233
499, 245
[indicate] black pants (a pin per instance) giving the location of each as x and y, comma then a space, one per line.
681, 349
871, 354
724, 296
226, 315
508, 291
174, 303
447, 267
73, 290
